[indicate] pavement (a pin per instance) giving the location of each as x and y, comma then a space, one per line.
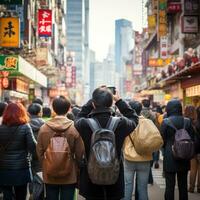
157, 190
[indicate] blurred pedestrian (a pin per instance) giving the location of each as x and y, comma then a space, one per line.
16, 143
171, 166
3, 106
38, 100
46, 113
192, 114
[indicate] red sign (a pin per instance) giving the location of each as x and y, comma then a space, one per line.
5, 73
44, 23
174, 7
5, 82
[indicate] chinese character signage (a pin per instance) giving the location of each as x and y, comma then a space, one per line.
9, 32
191, 7
163, 47
44, 23
151, 23
174, 7
190, 24
71, 76
8, 63
9, 2
159, 62
162, 18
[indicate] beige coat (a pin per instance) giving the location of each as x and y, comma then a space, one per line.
75, 142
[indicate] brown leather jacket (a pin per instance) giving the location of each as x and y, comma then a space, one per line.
75, 142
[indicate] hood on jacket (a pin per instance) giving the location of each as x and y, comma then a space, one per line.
174, 108
59, 123
36, 123
147, 113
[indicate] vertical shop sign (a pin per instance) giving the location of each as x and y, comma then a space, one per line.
163, 47
44, 23
162, 26
9, 32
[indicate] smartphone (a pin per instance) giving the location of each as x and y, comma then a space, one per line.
112, 89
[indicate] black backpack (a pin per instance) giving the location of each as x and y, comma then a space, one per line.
103, 163
183, 147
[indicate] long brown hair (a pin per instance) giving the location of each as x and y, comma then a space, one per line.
15, 114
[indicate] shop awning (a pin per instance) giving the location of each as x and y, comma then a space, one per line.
28, 70
186, 73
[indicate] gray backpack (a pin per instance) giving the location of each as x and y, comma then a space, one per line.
183, 147
103, 163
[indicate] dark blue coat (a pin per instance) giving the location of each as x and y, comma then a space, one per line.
174, 113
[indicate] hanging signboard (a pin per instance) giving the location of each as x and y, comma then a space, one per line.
10, 2
163, 47
9, 63
162, 18
190, 24
44, 23
9, 32
191, 7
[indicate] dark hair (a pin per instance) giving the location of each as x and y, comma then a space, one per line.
190, 112
102, 98
75, 110
159, 109
34, 109
38, 100
136, 105
198, 119
70, 116
61, 105
46, 112
2, 107
15, 114
146, 103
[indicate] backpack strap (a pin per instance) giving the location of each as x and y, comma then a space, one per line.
113, 123
172, 125
93, 124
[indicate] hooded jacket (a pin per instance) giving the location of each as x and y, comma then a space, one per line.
174, 113
61, 124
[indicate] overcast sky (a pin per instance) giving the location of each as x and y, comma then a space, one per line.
103, 14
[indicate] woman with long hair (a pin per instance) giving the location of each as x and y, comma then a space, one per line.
16, 144
194, 116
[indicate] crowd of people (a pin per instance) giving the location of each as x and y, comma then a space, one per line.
60, 143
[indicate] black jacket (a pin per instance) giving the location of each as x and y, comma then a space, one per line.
125, 127
35, 124
174, 113
16, 156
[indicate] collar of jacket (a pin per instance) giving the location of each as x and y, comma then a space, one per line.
97, 111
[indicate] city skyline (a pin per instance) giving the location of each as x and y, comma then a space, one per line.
102, 33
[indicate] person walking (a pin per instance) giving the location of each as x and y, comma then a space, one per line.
98, 108
194, 115
16, 143
135, 164
171, 166
61, 182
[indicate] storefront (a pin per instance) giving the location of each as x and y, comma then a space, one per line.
21, 74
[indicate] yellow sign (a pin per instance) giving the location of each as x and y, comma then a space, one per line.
193, 91
9, 32
151, 21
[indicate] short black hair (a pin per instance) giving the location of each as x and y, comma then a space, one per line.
34, 109
102, 98
46, 112
61, 105
3, 106
136, 105
38, 100
146, 103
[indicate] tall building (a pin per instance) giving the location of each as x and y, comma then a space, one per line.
76, 31
124, 43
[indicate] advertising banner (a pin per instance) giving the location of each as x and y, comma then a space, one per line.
190, 24
9, 32
9, 63
44, 23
